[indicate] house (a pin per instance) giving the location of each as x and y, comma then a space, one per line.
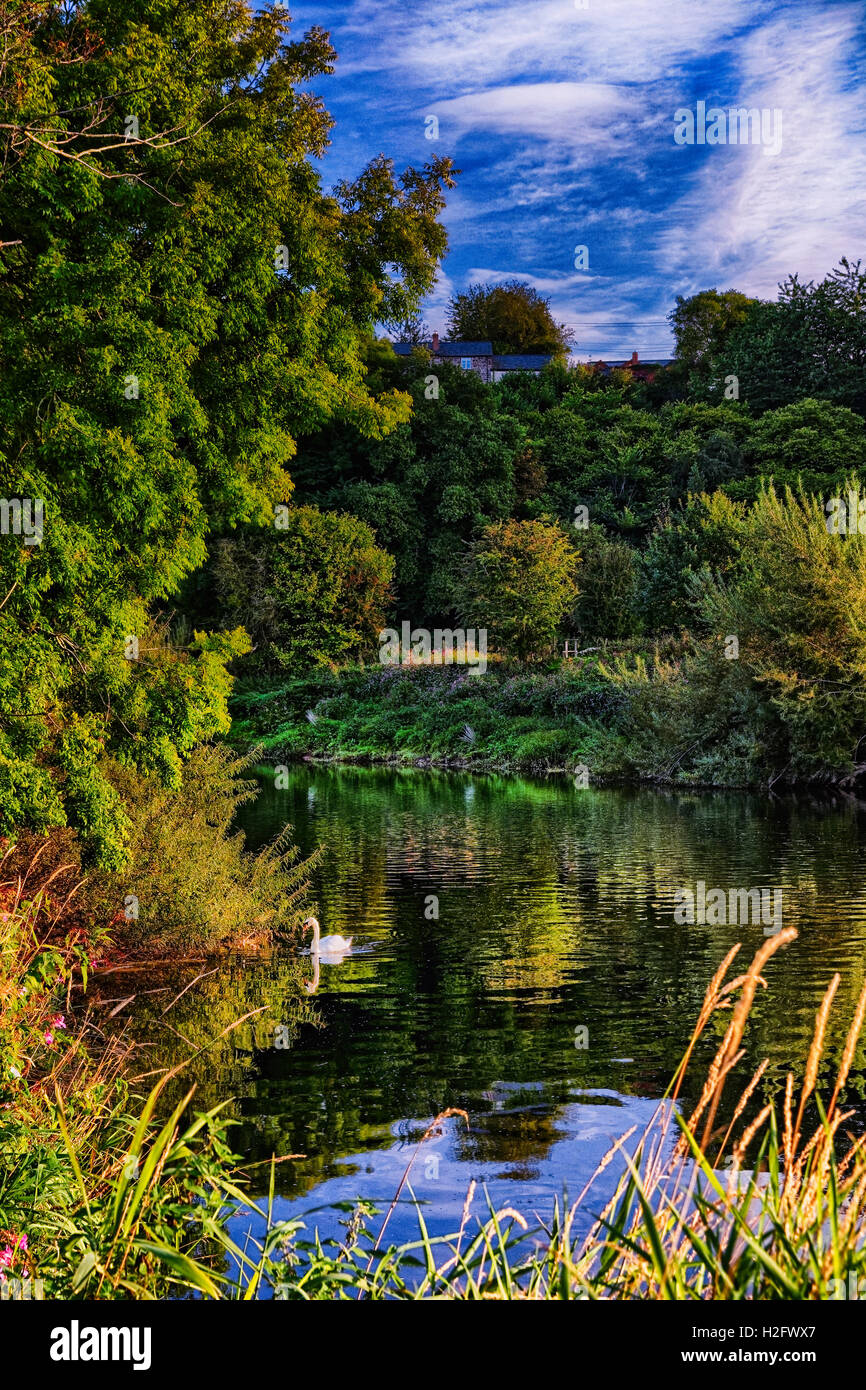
477, 357
472, 357
642, 371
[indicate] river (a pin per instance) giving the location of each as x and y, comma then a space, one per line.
517, 955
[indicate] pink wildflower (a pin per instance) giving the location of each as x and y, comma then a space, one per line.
8, 1253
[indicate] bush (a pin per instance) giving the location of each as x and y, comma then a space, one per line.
795, 600
193, 885
310, 593
608, 577
519, 581
541, 748
702, 534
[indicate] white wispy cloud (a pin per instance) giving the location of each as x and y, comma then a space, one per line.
561, 120
564, 112
754, 218
459, 43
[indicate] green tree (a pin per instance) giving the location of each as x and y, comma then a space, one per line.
179, 301
710, 445
599, 453
309, 593
608, 576
702, 324
702, 534
429, 488
795, 600
810, 441
413, 330
810, 343
512, 315
519, 582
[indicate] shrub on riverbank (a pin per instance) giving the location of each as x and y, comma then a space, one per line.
796, 601
774, 688
512, 717
519, 578
191, 885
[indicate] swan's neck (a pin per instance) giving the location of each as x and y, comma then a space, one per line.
316, 935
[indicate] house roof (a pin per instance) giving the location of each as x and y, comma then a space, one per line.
521, 362
480, 349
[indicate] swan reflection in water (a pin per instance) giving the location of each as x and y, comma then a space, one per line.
330, 949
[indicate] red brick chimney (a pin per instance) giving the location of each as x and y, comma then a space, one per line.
634, 359
435, 342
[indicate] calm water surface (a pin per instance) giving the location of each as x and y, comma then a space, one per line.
555, 912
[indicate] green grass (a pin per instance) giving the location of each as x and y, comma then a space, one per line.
509, 719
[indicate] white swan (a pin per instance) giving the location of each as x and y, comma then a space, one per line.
328, 947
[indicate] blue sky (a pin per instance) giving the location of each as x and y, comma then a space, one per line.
562, 122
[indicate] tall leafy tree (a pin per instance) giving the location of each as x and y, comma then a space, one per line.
601, 454
702, 325
609, 577
180, 300
519, 582
512, 315
811, 342
810, 442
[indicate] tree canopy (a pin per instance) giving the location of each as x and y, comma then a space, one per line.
180, 300
512, 315
310, 591
519, 581
703, 323
811, 341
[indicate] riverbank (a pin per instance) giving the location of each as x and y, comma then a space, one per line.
669, 713
513, 718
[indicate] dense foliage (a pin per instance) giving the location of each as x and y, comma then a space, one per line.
511, 315
519, 578
811, 341
179, 301
310, 591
